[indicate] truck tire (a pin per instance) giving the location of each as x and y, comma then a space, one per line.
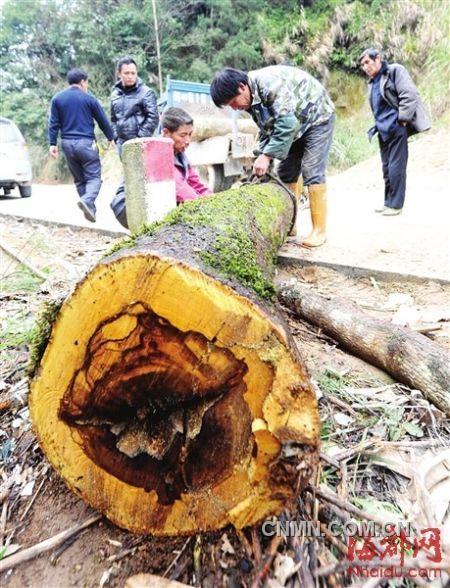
25, 191
214, 178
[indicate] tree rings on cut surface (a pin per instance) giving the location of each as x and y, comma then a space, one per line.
166, 400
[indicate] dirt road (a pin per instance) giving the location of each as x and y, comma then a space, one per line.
416, 243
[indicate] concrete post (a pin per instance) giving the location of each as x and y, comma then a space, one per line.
149, 180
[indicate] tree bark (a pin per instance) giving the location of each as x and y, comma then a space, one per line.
170, 395
409, 357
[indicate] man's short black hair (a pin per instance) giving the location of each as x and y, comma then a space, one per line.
370, 52
125, 61
75, 76
225, 85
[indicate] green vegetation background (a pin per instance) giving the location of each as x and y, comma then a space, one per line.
40, 40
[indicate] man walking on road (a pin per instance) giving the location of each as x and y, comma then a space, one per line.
134, 114
399, 113
296, 117
72, 113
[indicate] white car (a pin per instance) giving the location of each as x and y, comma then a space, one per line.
15, 164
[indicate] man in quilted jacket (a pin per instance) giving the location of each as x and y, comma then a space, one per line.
133, 105
295, 117
134, 114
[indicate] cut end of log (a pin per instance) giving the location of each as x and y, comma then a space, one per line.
166, 400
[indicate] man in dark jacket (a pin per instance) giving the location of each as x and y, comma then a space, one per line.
134, 114
399, 113
72, 113
133, 105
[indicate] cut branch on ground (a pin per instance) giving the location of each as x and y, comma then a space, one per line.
408, 356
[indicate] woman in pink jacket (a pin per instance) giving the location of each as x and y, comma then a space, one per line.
177, 124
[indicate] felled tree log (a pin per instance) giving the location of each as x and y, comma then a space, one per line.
170, 395
206, 127
408, 356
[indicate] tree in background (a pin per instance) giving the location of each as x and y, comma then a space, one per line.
41, 40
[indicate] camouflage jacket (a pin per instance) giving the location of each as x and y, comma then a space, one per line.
287, 101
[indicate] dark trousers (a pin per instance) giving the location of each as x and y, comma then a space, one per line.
84, 164
118, 205
118, 202
394, 158
308, 155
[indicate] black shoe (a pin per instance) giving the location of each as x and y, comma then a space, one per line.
89, 213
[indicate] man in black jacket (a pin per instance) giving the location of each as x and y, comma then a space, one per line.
133, 105
134, 114
398, 113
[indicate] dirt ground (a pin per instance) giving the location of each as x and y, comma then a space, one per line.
37, 504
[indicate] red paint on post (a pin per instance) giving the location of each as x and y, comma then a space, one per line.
158, 159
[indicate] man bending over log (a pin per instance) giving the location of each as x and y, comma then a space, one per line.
176, 124
296, 117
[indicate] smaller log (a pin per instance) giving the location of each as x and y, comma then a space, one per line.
206, 127
408, 356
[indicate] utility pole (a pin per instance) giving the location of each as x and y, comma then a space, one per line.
158, 53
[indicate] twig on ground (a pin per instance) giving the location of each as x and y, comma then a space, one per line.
343, 483
303, 573
341, 404
58, 551
334, 540
345, 505
356, 450
412, 444
197, 560
256, 546
30, 504
426, 329
122, 554
26, 554
329, 460
20, 258
12, 530
177, 557
245, 542
4, 494
3, 519
262, 572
